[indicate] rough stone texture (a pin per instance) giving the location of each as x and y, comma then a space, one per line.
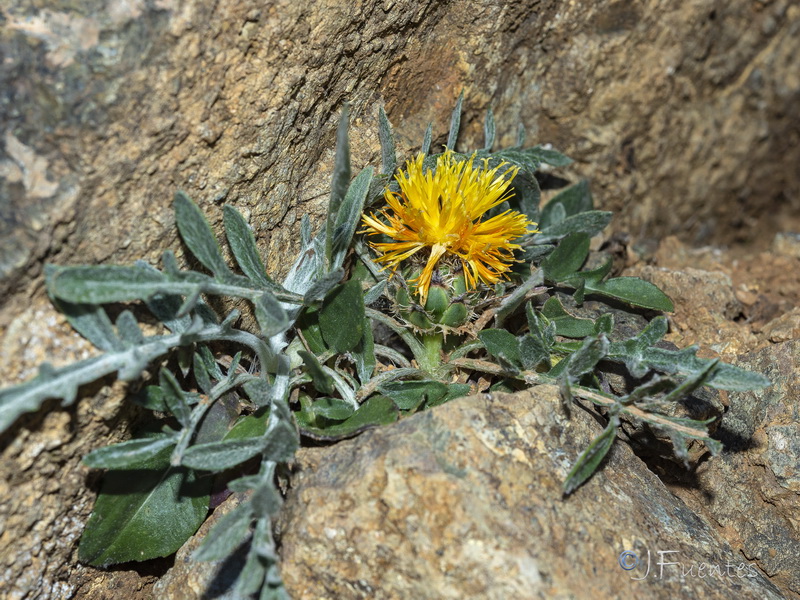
752, 490
705, 308
47, 494
464, 501
683, 114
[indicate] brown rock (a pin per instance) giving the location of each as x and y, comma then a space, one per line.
784, 328
464, 501
752, 490
705, 308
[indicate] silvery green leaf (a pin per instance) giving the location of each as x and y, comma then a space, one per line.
340, 181
105, 283
377, 410
364, 354
174, 397
129, 331
386, 137
127, 454
426, 139
166, 309
633, 290
409, 395
590, 459
322, 381
686, 362
251, 578
333, 409
266, 499
489, 130
532, 351
584, 360
92, 322
374, 292
218, 456
197, 235
305, 232
259, 391
573, 200
520, 135
455, 122
348, 216
515, 299
565, 324
271, 316
243, 245
548, 156
589, 222
567, 258
527, 195
281, 440
226, 535
211, 365
522, 158
503, 345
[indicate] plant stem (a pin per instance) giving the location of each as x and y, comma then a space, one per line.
431, 359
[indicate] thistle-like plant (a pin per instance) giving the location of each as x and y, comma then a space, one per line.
471, 293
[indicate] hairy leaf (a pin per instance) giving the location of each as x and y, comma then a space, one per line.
128, 454
503, 345
243, 245
341, 317
146, 511
590, 459
567, 258
339, 183
455, 122
197, 235
229, 532
386, 137
378, 410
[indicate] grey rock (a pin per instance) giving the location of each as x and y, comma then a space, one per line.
752, 489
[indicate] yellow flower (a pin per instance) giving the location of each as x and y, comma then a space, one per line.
439, 214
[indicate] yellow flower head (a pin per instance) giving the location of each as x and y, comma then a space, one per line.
439, 214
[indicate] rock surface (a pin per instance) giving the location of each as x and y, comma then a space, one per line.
752, 490
464, 501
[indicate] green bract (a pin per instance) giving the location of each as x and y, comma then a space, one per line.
318, 362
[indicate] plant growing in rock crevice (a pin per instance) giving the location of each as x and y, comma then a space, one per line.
470, 293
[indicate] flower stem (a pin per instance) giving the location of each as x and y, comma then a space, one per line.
430, 360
